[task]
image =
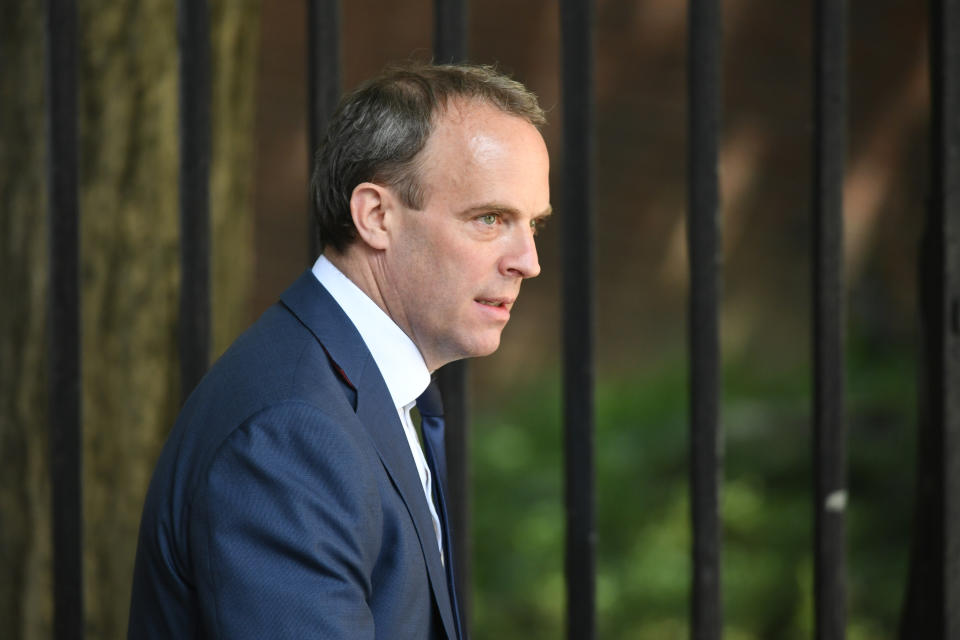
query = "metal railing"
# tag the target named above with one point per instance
(64, 390)
(829, 457)
(578, 309)
(703, 81)
(933, 601)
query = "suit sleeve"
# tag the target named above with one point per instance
(286, 529)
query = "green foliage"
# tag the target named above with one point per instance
(643, 520)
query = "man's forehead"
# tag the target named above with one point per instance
(484, 146)
(458, 109)
(462, 116)
(477, 149)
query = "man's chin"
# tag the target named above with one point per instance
(476, 345)
(485, 347)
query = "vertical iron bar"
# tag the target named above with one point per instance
(63, 311)
(450, 46)
(932, 605)
(323, 87)
(193, 37)
(450, 31)
(704, 255)
(577, 57)
(943, 316)
(829, 434)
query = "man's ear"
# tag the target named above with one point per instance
(369, 206)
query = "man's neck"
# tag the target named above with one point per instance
(355, 265)
(396, 355)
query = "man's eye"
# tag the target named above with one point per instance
(488, 219)
(537, 225)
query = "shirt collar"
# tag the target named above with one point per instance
(397, 357)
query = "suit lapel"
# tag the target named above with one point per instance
(321, 314)
(376, 411)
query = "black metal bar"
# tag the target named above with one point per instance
(829, 433)
(63, 311)
(450, 31)
(450, 46)
(577, 57)
(943, 299)
(323, 83)
(945, 94)
(932, 604)
(706, 464)
(193, 37)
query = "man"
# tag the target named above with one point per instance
(293, 498)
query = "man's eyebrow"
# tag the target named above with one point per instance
(503, 208)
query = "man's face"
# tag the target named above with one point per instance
(454, 268)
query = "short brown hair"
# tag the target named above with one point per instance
(378, 130)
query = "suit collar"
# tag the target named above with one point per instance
(321, 315)
(397, 357)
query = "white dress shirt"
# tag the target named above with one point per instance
(398, 359)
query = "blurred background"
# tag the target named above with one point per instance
(127, 67)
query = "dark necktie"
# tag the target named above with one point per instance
(430, 407)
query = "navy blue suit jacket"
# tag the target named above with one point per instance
(285, 503)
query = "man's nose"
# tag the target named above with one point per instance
(521, 258)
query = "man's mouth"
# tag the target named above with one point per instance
(496, 303)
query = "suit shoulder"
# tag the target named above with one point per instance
(275, 376)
